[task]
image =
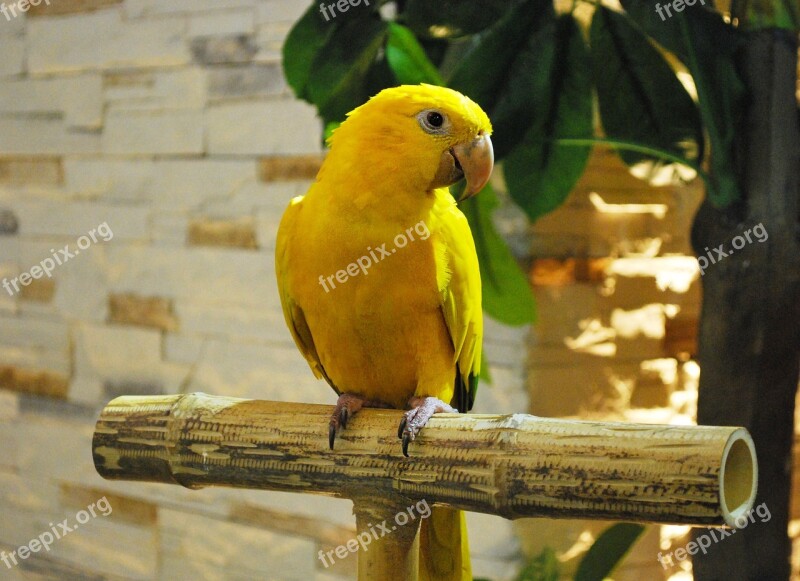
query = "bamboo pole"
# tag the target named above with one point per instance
(513, 465)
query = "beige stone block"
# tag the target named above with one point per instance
(234, 322)
(169, 228)
(561, 310)
(279, 11)
(152, 90)
(166, 184)
(104, 543)
(153, 132)
(54, 448)
(12, 47)
(125, 359)
(19, 525)
(204, 542)
(69, 43)
(34, 170)
(284, 168)
(330, 512)
(77, 219)
(182, 348)
(594, 385)
(143, 8)
(270, 40)
(210, 275)
(274, 373)
(263, 128)
(44, 136)
(560, 246)
(9, 406)
(29, 365)
(222, 50)
(59, 7)
(124, 508)
(131, 309)
(239, 81)
(39, 291)
(25, 332)
(222, 22)
(82, 285)
(240, 233)
(504, 395)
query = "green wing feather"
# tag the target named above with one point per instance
(461, 304)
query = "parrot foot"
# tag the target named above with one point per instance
(422, 410)
(347, 406)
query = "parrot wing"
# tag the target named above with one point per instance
(295, 318)
(461, 304)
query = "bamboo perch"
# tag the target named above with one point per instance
(513, 465)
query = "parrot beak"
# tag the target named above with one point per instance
(473, 160)
(476, 161)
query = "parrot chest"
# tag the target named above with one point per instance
(373, 307)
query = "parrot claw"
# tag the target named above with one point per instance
(422, 410)
(407, 439)
(331, 434)
(402, 427)
(347, 406)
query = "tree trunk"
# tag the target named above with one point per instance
(749, 333)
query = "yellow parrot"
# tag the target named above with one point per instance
(379, 279)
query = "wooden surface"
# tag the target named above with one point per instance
(513, 466)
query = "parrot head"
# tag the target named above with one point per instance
(420, 137)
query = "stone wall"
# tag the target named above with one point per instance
(170, 123)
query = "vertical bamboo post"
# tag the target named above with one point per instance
(389, 557)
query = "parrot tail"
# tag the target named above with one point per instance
(444, 549)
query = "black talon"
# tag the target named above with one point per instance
(344, 415)
(402, 427)
(331, 434)
(406, 440)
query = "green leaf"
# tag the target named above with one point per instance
(640, 97)
(707, 46)
(339, 73)
(760, 14)
(608, 551)
(407, 58)
(304, 41)
(452, 18)
(541, 172)
(543, 567)
(508, 68)
(507, 295)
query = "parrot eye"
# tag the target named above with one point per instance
(433, 121)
